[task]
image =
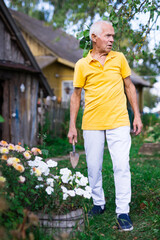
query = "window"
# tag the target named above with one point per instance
(67, 90)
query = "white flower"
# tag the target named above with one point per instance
(51, 163)
(40, 179)
(65, 171)
(42, 166)
(65, 195)
(65, 178)
(39, 186)
(83, 181)
(49, 190)
(64, 189)
(79, 175)
(22, 179)
(86, 194)
(38, 158)
(31, 163)
(79, 191)
(88, 189)
(50, 181)
(71, 178)
(71, 193)
(56, 177)
(46, 172)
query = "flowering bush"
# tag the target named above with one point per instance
(153, 134)
(38, 185)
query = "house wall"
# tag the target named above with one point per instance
(56, 73)
(9, 50)
(36, 48)
(19, 109)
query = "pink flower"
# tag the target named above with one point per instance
(36, 151)
(11, 147)
(22, 179)
(19, 148)
(18, 167)
(3, 143)
(4, 150)
(27, 155)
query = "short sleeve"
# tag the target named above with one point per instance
(79, 79)
(125, 69)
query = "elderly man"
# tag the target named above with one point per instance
(104, 74)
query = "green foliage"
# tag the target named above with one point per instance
(1, 119)
(149, 120)
(150, 99)
(153, 134)
(57, 145)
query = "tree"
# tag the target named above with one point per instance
(150, 100)
(29, 7)
(134, 44)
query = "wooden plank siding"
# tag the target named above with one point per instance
(19, 109)
(9, 48)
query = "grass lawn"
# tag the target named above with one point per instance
(145, 204)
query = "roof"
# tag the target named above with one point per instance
(14, 30)
(138, 80)
(44, 61)
(63, 45)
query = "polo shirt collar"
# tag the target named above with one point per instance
(110, 55)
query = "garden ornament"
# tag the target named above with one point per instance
(74, 157)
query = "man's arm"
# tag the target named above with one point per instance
(132, 97)
(74, 108)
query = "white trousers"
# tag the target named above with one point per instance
(119, 142)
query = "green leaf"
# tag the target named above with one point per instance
(110, 8)
(85, 52)
(82, 43)
(79, 35)
(1, 119)
(115, 20)
(86, 33)
(45, 152)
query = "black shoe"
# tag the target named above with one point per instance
(96, 210)
(124, 223)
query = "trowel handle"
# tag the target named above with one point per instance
(73, 144)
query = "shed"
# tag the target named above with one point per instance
(21, 80)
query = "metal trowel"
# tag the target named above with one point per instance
(74, 157)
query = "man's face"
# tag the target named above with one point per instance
(104, 41)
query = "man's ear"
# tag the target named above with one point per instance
(94, 37)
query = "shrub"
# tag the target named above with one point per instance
(149, 120)
(37, 185)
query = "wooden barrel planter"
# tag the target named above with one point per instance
(59, 224)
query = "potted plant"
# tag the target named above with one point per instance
(41, 187)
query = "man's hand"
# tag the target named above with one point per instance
(72, 134)
(137, 125)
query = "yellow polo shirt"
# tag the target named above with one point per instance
(105, 100)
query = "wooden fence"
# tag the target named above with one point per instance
(53, 119)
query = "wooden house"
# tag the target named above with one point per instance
(56, 53)
(21, 80)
